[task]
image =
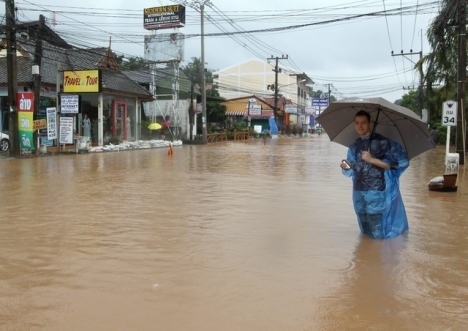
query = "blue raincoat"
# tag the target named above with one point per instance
(273, 126)
(376, 191)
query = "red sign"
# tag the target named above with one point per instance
(25, 101)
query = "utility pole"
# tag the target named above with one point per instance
(191, 112)
(12, 75)
(329, 85)
(204, 117)
(277, 70)
(420, 89)
(461, 83)
(37, 77)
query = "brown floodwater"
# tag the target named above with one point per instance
(228, 236)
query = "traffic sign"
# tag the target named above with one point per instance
(449, 113)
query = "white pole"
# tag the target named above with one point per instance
(100, 120)
(447, 149)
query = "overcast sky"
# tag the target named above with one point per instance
(342, 42)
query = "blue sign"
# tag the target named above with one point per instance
(317, 102)
(312, 121)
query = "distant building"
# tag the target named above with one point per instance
(257, 77)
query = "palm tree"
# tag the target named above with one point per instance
(442, 61)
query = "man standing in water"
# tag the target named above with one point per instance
(375, 164)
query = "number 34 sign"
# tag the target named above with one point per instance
(449, 113)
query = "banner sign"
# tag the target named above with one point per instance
(51, 123)
(310, 110)
(69, 104)
(164, 17)
(290, 110)
(82, 81)
(25, 120)
(320, 102)
(66, 130)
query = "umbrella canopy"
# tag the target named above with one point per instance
(154, 126)
(392, 121)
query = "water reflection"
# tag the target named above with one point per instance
(226, 236)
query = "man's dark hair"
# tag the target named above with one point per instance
(363, 113)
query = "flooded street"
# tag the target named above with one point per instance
(236, 236)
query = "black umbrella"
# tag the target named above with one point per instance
(395, 122)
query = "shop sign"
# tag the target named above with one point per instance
(69, 104)
(290, 110)
(66, 130)
(25, 119)
(82, 81)
(255, 110)
(51, 123)
(39, 124)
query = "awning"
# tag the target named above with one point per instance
(235, 113)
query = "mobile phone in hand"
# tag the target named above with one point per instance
(346, 164)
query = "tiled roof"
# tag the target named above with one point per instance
(117, 81)
(83, 59)
(24, 69)
(75, 59)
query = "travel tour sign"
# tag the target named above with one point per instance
(164, 17)
(82, 81)
(25, 102)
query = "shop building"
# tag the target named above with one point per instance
(113, 105)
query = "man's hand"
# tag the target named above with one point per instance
(367, 157)
(344, 165)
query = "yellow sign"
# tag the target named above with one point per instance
(84, 81)
(39, 124)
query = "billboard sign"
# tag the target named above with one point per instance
(82, 81)
(164, 17)
(164, 47)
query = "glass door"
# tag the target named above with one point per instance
(119, 122)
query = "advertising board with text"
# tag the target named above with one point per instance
(69, 103)
(82, 81)
(25, 120)
(164, 17)
(66, 130)
(51, 123)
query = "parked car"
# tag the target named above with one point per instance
(4, 142)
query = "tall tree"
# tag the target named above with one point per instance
(442, 62)
(193, 71)
(133, 63)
